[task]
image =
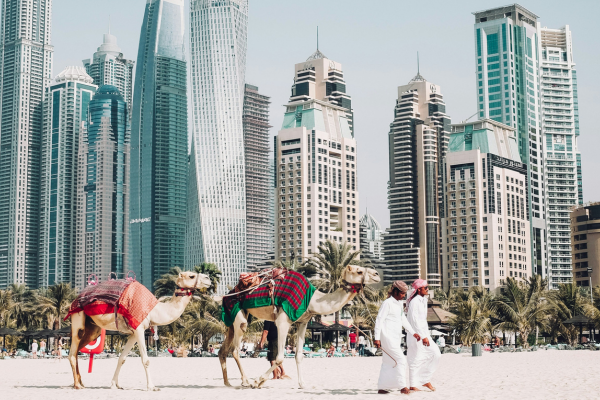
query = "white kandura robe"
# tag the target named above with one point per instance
(422, 360)
(388, 329)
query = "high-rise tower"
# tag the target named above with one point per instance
(25, 72)
(216, 230)
(258, 174)
(108, 67)
(560, 133)
(65, 107)
(159, 145)
(506, 60)
(316, 178)
(102, 189)
(418, 142)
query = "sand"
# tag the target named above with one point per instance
(548, 374)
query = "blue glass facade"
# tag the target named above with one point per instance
(159, 156)
(104, 185)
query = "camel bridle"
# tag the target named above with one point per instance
(188, 291)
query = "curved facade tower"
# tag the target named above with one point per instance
(159, 144)
(216, 230)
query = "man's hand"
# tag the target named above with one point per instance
(377, 343)
(416, 336)
(425, 342)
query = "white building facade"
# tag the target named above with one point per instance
(373, 236)
(486, 233)
(315, 164)
(559, 116)
(216, 230)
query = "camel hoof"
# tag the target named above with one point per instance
(246, 384)
(78, 387)
(115, 386)
(154, 389)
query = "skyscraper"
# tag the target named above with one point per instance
(507, 62)
(560, 133)
(159, 145)
(485, 234)
(25, 71)
(315, 164)
(102, 188)
(65, 108)
(216, 229)
(418, 141)
(108, 67)
(372, 236)
(258, 173)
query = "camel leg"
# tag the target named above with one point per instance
(283, 327)
(299, 352)
(114, 384)
(240, 326)
(139, 334)
(77, 331)
(223, 353)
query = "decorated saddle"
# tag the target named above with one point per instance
(280, 287)
(129, 298)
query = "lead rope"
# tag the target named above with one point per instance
(362, 295)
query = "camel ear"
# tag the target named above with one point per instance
(181, 274)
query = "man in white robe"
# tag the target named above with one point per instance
(388, 336)
(423, 358)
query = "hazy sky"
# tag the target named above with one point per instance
(376, 42)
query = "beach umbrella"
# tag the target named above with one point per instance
(337, 328)
(579, 320)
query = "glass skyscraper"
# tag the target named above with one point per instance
(25, 71)
(418, 143)
(159, 144)
(108, 67)
(216, 229)
(102, 189)
(65, 108)
(507, 64)
(258, 173)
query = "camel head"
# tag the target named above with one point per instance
(356, 275)
(192, 280)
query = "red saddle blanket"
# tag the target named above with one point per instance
(133, 300)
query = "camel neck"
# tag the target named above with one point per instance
(329, 303)
(168, 312)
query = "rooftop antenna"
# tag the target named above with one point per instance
(109, 24)
(418, 68)
(317, 38)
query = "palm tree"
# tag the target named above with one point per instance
(472, 319)
(448, 298)
(329, 265)
(569, 301)
(213, 273)
(523, 307)
(6, 305)
(53, 303)
(166, 284)
(203, 317)
(21, 298)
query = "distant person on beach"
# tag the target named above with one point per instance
(361, 345)
(353, 338)
(330, 351)
(43, 348)
(34, 349)
(388, 337)
(423, 358)
(270, 335)
(59, 348)
(496, 341)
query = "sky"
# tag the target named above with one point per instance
(377, 43)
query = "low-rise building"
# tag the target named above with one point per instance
(585, 244)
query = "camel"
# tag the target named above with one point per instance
(85, 328)
(320, 304)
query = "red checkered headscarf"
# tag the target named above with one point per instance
(416, 285)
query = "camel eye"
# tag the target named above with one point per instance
(192, 276)
(360, 272)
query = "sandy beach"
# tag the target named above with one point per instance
(549, 374)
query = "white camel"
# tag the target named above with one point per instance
(320, 304)
(85, 328)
